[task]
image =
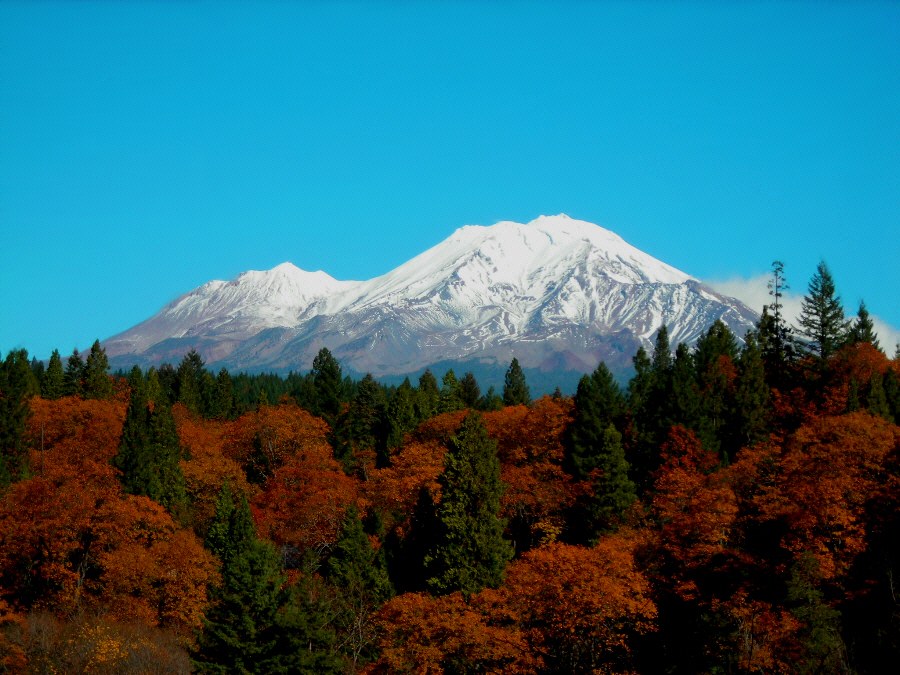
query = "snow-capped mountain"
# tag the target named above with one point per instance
(559, 294)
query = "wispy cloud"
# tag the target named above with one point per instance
(754, 292)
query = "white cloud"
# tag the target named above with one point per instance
(754, 292)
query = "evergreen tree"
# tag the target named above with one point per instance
(685, 390)
(328, 382)
(74, 375)
(598, 404)
(822, 315)
(863, 330)
(515, 388)
(613, 492)
(470, 552)
(359, 575)
(429, 396)
(149, 450)
(254, 623)
(224, 396)
(775, 337)
(96, 379)
(53, 383)
(189, 377)
(469, 391)
(450, 398)
(751, 399)
(491, 401)
(16, 387)
(401, 418)
(714, 358)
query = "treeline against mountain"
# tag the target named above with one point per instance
(733, 509)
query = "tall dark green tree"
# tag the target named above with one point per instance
(97, 384)
(255, 623)
(359, 575)
(599, 403)
(74, 375)
(450, 394)
(469, 391)
(53, 383)
(149, 450)
(821, 319)
(328, 381)
(470, 552)
(189, 382)
(515, 388)
(428, 399)
(750, 422)
(16, 387)
(776, 338)
(400, 418)
(863, 329)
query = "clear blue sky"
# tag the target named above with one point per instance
(146, 148)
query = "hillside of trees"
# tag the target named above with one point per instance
(733, 509)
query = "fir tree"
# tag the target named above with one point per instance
(359, 575)
(327, 378)
(470, 552)
(224, 396)
(74, 375)
(189, 377)
(469, 391)
(149, 450)
(53, 383)
(401, 418)
(254, 623)
(97, 384)
(598, 404)
(429, 396)
(450, 398)
(751, 399)
(515, 388)
(822, 315)
(16, 387)
(863, 330)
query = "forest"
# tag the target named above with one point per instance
(732, 509)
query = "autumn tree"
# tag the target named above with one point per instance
(470, 552)
(515, 388)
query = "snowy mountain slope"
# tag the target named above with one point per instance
(556, 292)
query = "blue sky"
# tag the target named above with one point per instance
(146, 148)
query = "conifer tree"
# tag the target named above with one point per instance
(775, 337)
(470, 552)
(16, 387)
(359, 575)
(254, 623)
(685, 390)
(189, 381)
(429, 396)
(751, 398)
(450, 398)
(53, 382)
(469, 391)
(598, 404)
(74, 375)
(97, 384)
(149, 450)
(863, 330)
(328, 382)
(400, 418)
(822, 319)
(515, 388)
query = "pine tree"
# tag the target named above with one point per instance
(822, 319)
(327, 378)
(863, 330)
(450, 398)
(775, 337)
(470, 553)
(429, 396)
(515, 388)
(189, 377)
(359, 575)
(97, 384)
(400, 418)
(598, 404)
(149, 450)
(16, 387)
(469, 391)
(74, 375)
(751, 399)
(53, 383)
(255, 624)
